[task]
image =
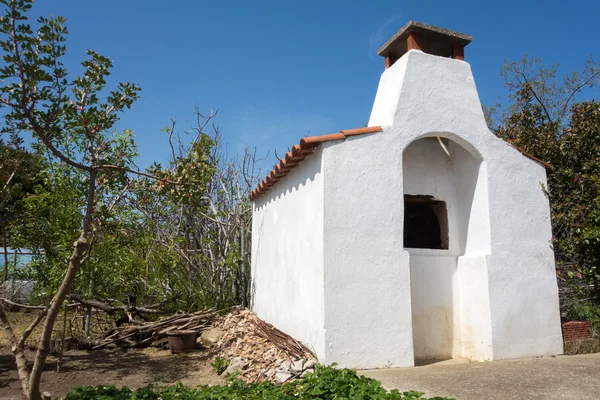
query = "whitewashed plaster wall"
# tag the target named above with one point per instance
(367, 279)
(522, 278)
(367, 276)
(434, 308)
(472, 330)
(287, 254)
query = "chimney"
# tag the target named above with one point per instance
(427, 38)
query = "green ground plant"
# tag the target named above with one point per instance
(325, 383)
(219, 365)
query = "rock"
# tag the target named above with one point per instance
(270, 354)
(296, 366)
(282, 376)
(211, 336)
(285, 366)
(310, 364)
(235, 365)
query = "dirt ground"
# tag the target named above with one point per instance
(563, 377)
(549, 378)
(131, 368)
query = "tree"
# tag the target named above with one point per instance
(18, 174)
(204, 228)
(558, 122)
(70, 124)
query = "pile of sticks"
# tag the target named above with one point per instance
(282, 340)
(145, 334)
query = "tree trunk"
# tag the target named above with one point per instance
(79, 248)
(5, 245)
(42, 352)
(18, 351)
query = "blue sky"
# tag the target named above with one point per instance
(278, 70)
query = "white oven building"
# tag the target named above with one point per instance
(421, 236)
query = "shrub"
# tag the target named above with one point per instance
(582, 346)
(586, 311)
(325, 383)
(220, 364)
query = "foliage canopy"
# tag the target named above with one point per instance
(559, 122)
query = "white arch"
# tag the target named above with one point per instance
(468, 146)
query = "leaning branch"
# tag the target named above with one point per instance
(133, 171)
(577, 89)
(57, 152)
(32, 326)
(23, 306)
(28, 307)
(541, 103)
(111, 309)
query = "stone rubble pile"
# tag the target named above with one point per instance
(256, 350)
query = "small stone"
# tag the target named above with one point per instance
(309, 364)
(282, 376)
(235, 365)
(210, 337)
(285, 366)
(296, 366)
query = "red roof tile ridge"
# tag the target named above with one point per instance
(546, 165)
(299, 153)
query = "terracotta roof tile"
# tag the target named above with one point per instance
(299, 153)
(546, 165)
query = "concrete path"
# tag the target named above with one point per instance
(562, 377)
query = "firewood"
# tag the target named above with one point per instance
(142, 334)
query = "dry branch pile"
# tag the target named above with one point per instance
(258, 351)
(155, 333)
(255, 349)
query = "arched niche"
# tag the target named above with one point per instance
(446, 218)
